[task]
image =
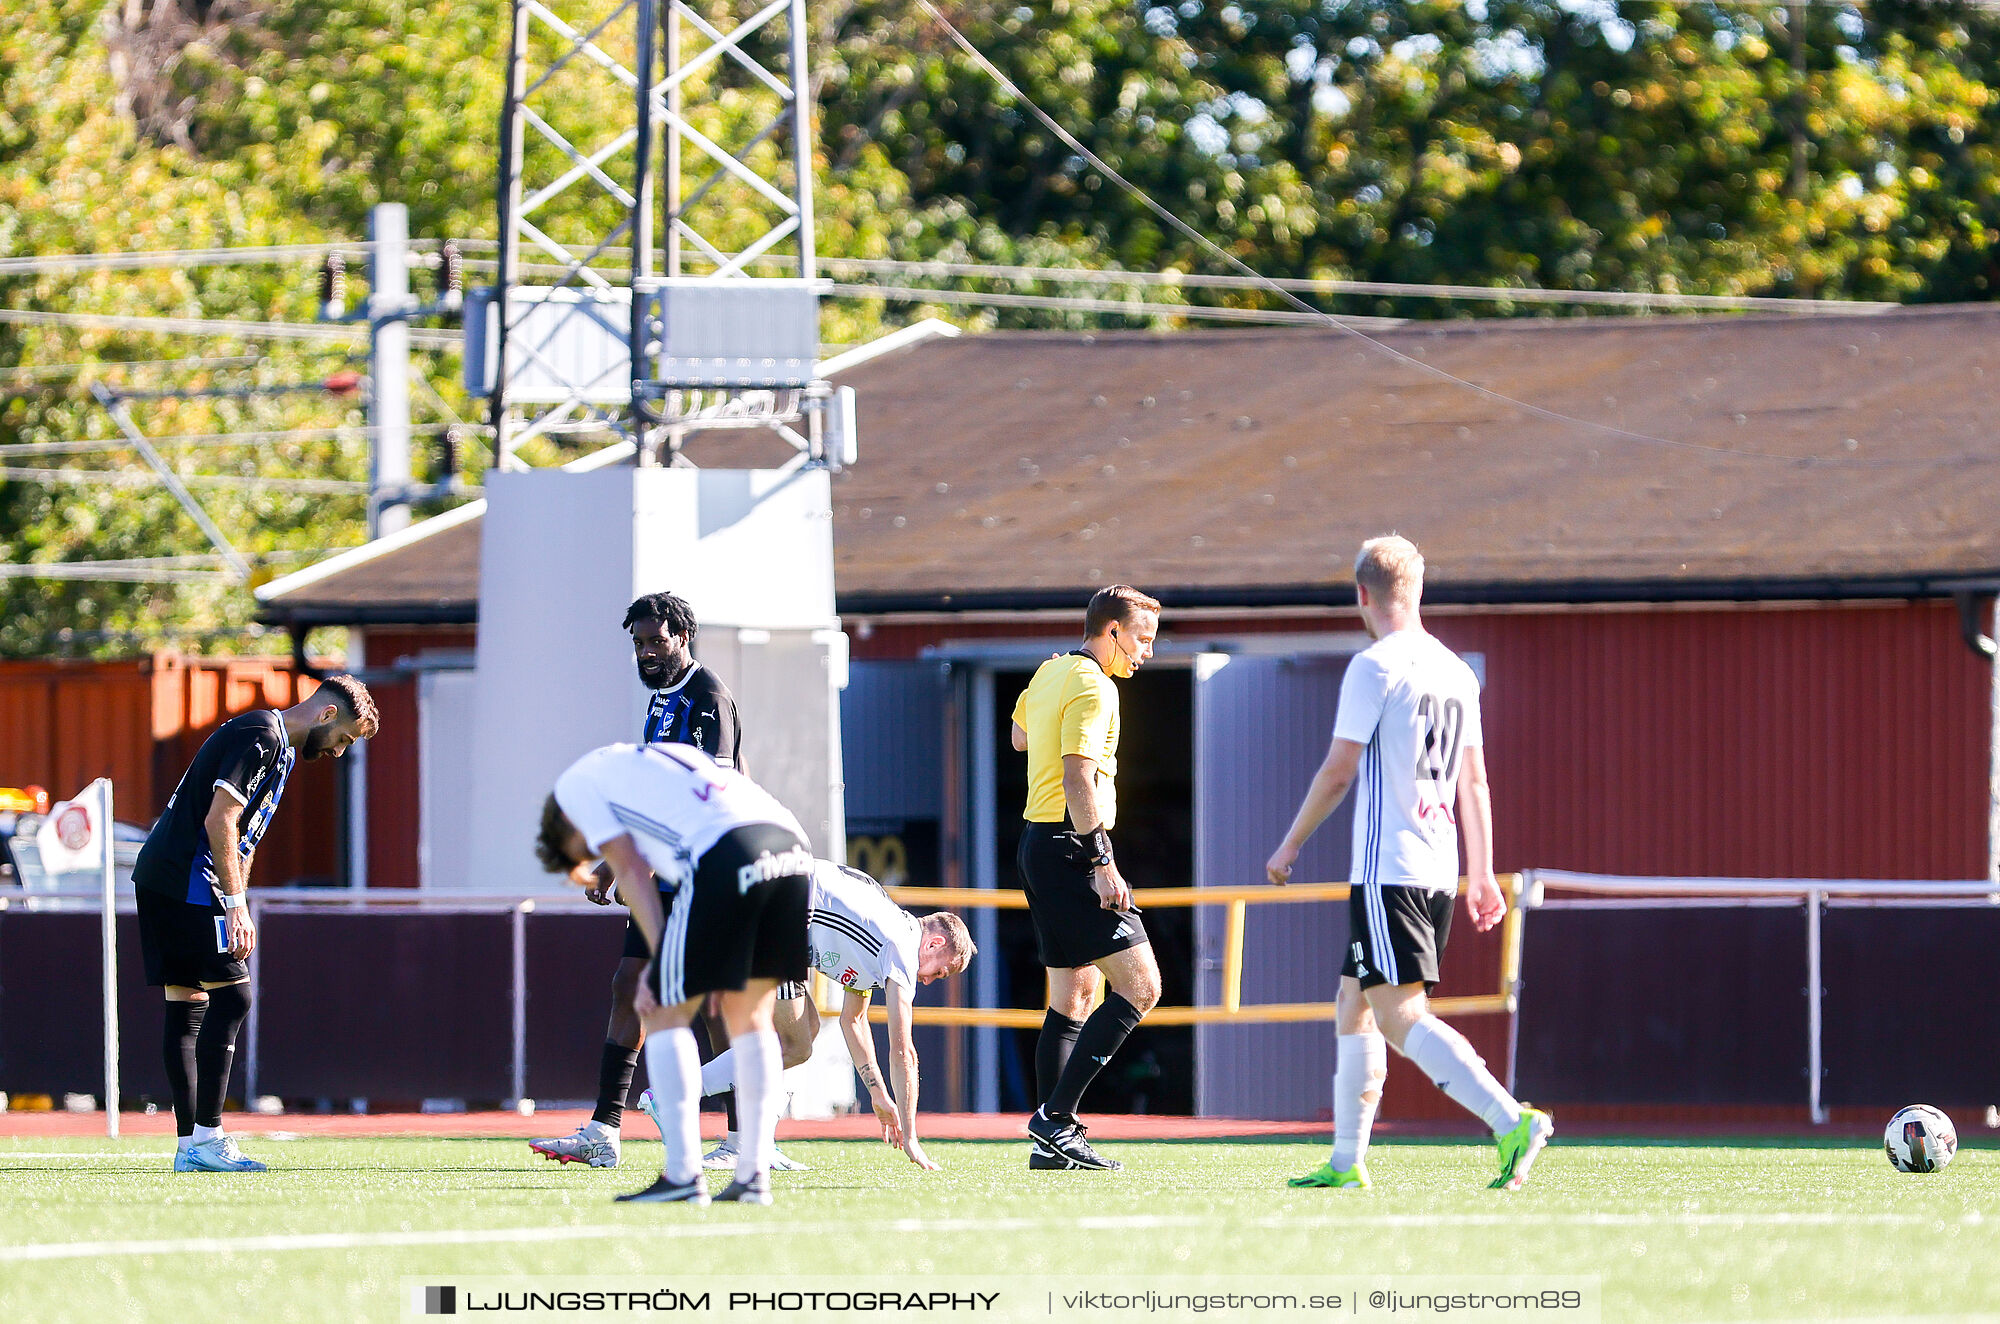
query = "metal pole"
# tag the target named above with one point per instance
(802, 139)
(985, 926)
(357, 778)
(673, 144)
(389, 368)
(110, 963)
(642, 226)
(1814, 1024)
(512, 127)
(1993, 761)
(519, 1082)
(256, 1017)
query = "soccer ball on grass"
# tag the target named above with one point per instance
(1920, 1139)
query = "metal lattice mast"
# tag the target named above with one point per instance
(588, 203)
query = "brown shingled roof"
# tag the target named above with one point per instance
(1819, 456)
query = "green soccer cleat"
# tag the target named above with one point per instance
(1519, 1147)
(1327, 1177)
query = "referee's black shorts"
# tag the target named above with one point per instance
(1072, 928)
(743, 916)
(1395, 934)
(183, 945)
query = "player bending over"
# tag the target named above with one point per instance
(192, 879)
(862, 940)
(690, 706)
(1408, 727)
(728, 916)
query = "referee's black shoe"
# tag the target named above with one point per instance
(1060, 1144)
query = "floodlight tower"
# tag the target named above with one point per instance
(631, 300)
(711, 344)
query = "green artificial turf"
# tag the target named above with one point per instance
(1740, 1231)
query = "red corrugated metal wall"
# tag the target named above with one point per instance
(63, 724)
(1833, 742)
(140, 722)
(1826, 741)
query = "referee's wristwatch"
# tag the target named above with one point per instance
(1100, 848)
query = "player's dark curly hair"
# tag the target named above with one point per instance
(668, 610)
(552, 837)
(354, 700)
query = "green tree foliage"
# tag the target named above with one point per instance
(1591, 144)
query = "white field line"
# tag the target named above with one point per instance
(310, 1241)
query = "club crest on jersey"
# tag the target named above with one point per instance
(786, 864)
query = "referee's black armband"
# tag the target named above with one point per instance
(1100, 847)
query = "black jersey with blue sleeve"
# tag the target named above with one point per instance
(249, 758)
(697, 710)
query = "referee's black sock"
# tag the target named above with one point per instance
(215, 1050)
(1052, 1052)
(183, 1023)
(614, 1083)
(1100, 1037)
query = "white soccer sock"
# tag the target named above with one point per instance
(674, 1066)
(760, 1068)
(1446, 1057)
(204, 1134)
(718, 1074)
(183, 1143)
(1359, 1070)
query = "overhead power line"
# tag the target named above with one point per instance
(269, 436)
(1396, 289)
(1120, 307)
(934, 270)
(149, 569)
(42, 371)
(143, 478)
(332, 333)
(58, 263)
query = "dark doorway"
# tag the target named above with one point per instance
(1154, 1072)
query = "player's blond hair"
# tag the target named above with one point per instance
(956, 936)
(1391, 568)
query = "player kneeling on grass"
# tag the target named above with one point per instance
(862, 940)
(728, 916)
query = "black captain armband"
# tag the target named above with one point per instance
(1100, 847)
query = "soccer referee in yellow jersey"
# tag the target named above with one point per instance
(1085, 922)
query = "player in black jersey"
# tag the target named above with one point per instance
(195, 930)
(690, 706)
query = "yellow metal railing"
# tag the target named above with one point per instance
(1231, 1008)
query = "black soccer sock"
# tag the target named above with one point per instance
(1052, 1050)
(215, 1050)
(714, 1042)
(183, 1023)
(614, 1083)
(1101, 1035)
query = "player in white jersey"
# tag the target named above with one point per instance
(858, 937)
(728, 916)
(1408, 731)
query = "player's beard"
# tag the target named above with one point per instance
(318, 741)
(654, 673)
